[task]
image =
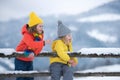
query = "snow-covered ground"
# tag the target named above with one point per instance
(111, 68)
(6, 64)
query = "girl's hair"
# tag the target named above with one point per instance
(31, 29)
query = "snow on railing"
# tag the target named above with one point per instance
(84, 52)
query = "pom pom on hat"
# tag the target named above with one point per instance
(34, 20)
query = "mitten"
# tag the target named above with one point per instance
(27, 52)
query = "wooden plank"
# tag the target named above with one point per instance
(73, 54)
(76, 74)
(101, 74)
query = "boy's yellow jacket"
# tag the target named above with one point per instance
(61, 49)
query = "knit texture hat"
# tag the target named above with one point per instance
(34, 20)
(62, 29)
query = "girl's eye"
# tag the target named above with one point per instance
(40, 26)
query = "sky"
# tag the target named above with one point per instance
(15, 9)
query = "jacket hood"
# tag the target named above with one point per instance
(24, 29)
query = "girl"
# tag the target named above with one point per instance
(61, 65)
(31, 44)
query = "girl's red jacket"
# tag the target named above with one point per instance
(28, 42)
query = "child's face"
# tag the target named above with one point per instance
(68, 38)
(39, 28)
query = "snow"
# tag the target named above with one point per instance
(7, 51)
(102, 37)
(2, 69)
(7, 62)
(20, 72)
(16, 72)
(100, 50)
(101, 17)
(112, 68)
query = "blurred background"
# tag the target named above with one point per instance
(94, 24)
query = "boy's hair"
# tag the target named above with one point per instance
(62, 38)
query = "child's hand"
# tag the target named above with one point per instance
(72, 62)
(47, 41)
(31, 55)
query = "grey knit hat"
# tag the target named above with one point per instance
(62, 29)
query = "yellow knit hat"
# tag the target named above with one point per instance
(34, 20)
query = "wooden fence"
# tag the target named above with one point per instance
(49, 54)
(72, 54)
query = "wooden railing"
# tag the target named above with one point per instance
(40, 73)
(52, 54)
(72, 54)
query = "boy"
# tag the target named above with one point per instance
(61, 65)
